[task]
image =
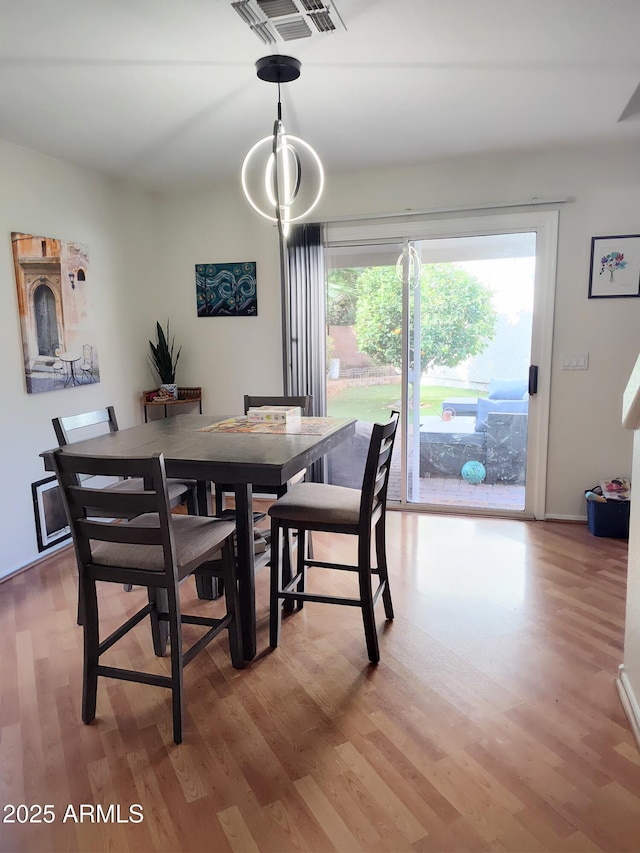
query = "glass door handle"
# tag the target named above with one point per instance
(533, 379)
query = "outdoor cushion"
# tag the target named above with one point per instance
(518, 407)
(508, 389)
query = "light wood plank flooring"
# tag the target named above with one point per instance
(491, 724)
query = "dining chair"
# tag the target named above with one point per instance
(180, 491)
(154, 549)
(250, 401)
(336, 509)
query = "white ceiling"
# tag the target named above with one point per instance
(165, 91)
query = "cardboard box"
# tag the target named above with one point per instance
(609, 519)
(274, 414)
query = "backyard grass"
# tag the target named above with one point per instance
(374, 402)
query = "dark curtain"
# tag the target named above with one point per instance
(305, 320)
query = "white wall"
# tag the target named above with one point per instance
(46, 197)
(227, 356)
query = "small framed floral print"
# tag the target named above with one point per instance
(615, 267)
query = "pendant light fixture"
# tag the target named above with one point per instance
(282, 176)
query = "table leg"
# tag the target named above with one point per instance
(246, 569)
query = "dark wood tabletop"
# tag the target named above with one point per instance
(241, 458)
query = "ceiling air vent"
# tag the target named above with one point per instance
(288, 20)
(294, 28)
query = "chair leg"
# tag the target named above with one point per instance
(159, 628)
(381, 559)
(275, 610)
(287, 566)
(366, 598)
(233, 604)
(175, 638)
(91, 641)
(208, 588)
(303, 547)
(80, 614)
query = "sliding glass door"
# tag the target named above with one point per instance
(470, 314)
(450, 322)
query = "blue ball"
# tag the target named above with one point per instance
(473, 472)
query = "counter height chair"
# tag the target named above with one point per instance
(250, 401)
(180, 491)
(154, 549)
(336, 509)
(304, 402)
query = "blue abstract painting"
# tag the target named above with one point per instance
(226, 290)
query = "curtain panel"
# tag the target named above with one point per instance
(305, 323)
(306, 315)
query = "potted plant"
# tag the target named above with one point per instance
(163, 360)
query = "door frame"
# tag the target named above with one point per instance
(545, 225)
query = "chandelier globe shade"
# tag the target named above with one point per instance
(282, 176)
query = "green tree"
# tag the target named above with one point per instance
(342, 296)
(457, 319)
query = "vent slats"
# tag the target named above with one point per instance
(291, 30)
(278, 8)
(288, 20)
(322, 21)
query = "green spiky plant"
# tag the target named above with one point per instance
(162, 356)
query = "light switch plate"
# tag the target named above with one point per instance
(575, 361)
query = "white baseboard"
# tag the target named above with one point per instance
(550, 516)
(629, 702)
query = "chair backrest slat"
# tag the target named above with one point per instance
(111, 502)
(125, 534)
(63, 426)
(303, 401)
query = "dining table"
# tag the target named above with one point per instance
(230, 450)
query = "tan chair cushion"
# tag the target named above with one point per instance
(197, 539)
(175, 488)
(318, 502)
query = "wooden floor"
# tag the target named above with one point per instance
(491, 723)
